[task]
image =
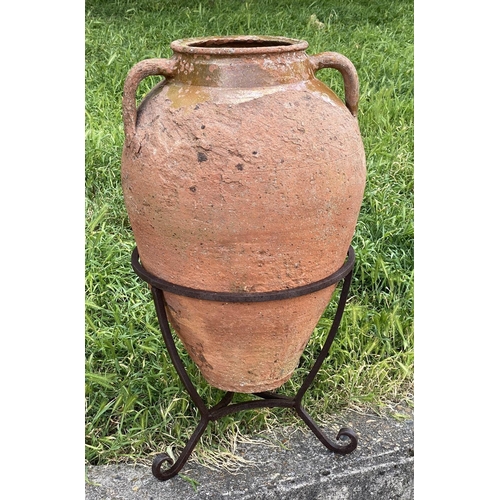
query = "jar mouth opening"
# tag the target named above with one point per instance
(244, 44)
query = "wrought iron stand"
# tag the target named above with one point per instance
(266, 399)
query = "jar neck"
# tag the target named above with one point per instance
(241, 61)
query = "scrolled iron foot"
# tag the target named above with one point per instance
(341, 449)
(339, 446)
(163, 475)
(160, 474)
(351, 445)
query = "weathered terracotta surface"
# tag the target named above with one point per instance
(243, 172)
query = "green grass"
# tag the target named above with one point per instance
(135, 403)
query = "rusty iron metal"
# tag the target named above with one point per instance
(346, 439)
(195, 293)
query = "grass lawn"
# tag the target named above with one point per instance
(136, 405)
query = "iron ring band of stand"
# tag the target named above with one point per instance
(194, 293)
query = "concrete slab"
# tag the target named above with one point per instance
(301, 468)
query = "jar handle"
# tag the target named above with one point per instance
(143, 69)
(349, 74)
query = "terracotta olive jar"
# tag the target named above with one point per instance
(242, 172)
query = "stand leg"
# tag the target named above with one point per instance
(353, 440)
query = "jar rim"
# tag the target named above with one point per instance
(238, 45)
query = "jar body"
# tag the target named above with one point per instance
(246, 183)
